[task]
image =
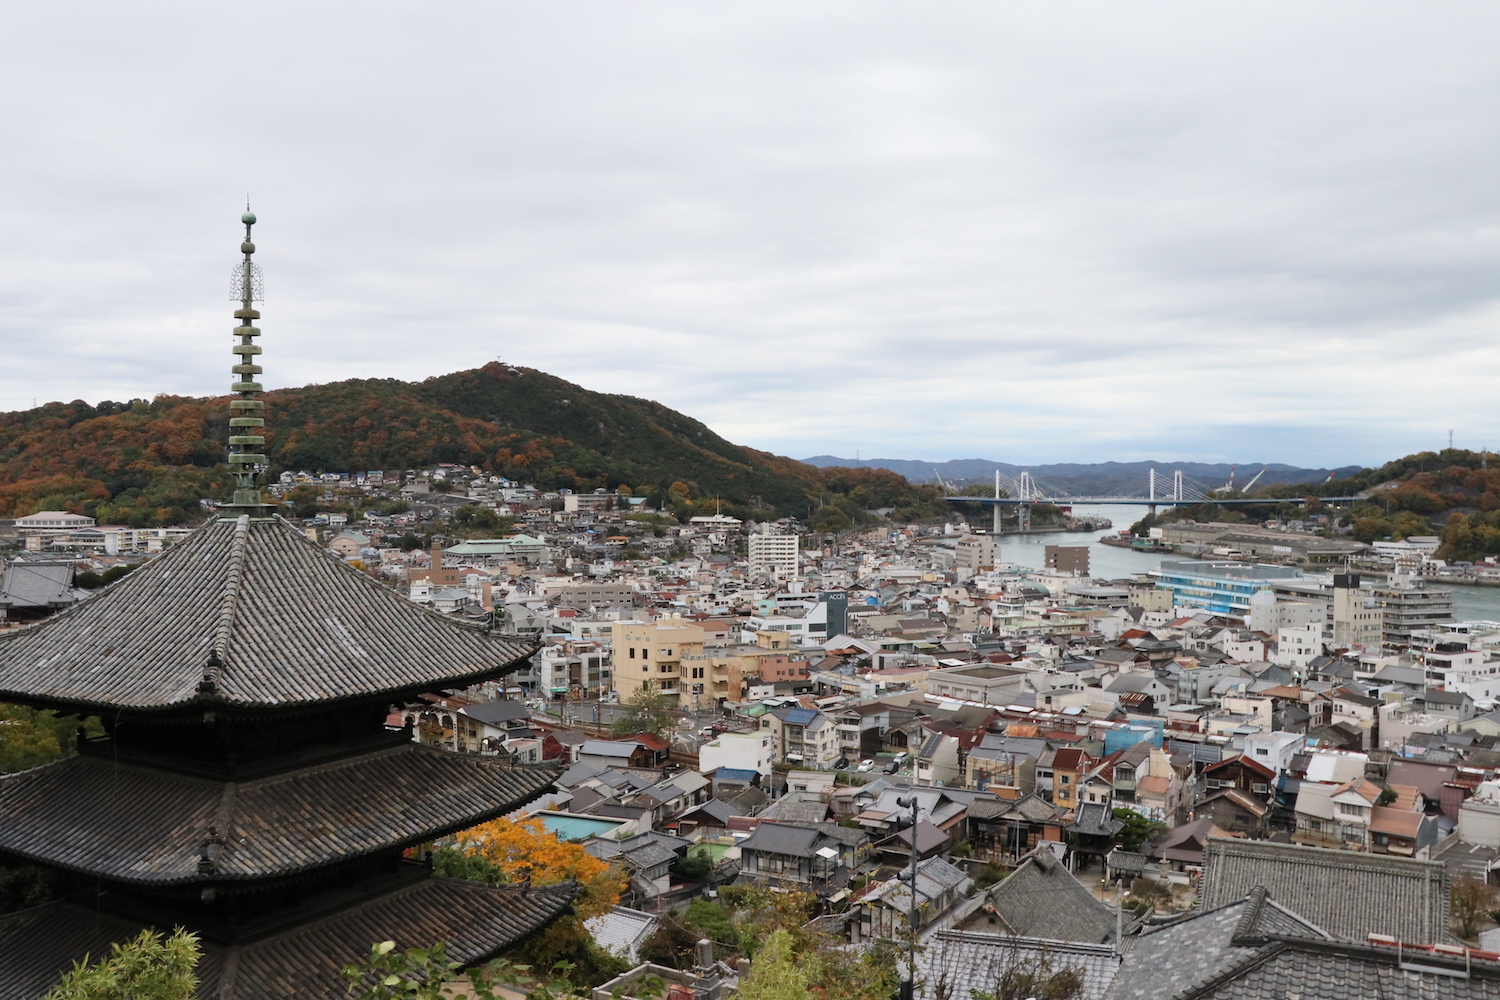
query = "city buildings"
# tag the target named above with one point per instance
(1357, 618)
(975, 554)
(649, 656)
(773, 556)
(1407, 606)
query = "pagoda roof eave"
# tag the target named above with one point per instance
(476, 921)
(149, 829)
(245, 615)
(202, 703)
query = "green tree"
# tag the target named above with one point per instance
(1137, 829)
(696, 866)
(829, 518)
(709, 920)
(149, 967)
(647, 711)
(778, 973)
(429, 974)
(31, 737)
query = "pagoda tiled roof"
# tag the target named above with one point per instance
(476, 921)
(150, 827)
(245, 614)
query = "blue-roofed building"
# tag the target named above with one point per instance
(803, 736)
(1221, 587)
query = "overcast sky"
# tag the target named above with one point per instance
(1027, 232)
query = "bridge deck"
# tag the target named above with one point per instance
(1139, 501)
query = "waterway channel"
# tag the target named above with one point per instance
(1110, 563)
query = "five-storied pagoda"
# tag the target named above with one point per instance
(248, 788)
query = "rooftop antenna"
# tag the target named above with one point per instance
(1450, 439)
(246, 423)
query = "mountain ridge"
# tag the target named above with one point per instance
(147, 463)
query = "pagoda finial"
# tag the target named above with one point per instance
(247, 421)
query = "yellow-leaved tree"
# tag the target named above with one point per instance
(503, 852)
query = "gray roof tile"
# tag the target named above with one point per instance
(157, 823)
(955, 962)
(1349, 894)
(1042, 899)
(475, 920)
(287, 623)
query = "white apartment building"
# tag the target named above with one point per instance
(774, 556)
(1453, 666)
(597, 500)
(1357, 619)
(976, 554)
(1299, 645)
(744, 751)
(51, 522)
(111, 540)
(1269, 613)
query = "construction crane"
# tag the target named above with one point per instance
(1251, 483)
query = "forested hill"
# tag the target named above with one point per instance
(149, 462)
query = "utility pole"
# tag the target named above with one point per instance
(909, 986)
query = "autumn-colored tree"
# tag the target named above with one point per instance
(503, 852)
(526, 852)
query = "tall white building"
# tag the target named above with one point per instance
(774, 556)
(1357, 618)
(976, 554)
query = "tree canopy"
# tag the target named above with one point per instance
(503, 852)
(150, 967)
(646, 711)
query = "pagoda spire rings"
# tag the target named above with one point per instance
(247, 421)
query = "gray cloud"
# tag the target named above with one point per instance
(1069, 232)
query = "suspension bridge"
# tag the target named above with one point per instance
(1151, 490)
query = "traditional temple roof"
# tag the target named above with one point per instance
(244, 614)
(476, 921)
(151, 828)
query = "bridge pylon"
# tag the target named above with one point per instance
(996, 527)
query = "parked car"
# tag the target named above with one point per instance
(841, 764)
(866, 765)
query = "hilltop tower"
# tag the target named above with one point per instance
(248, 787)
